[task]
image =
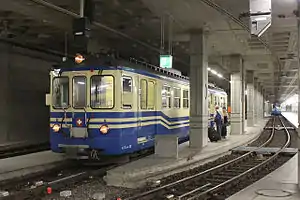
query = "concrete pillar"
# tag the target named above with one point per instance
(255, 100)
(258, 103)
(198, 90)
(261, 105)
(4, 89)
(243, 97)
(298, 20)
(236, 94)
(263, 102)
(250, 98)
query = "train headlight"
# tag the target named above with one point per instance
(56, 128)
(104, 129)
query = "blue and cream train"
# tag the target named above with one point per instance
(118, 110)
(276, 111)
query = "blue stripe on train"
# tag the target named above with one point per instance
(130, 122)
(121, 115)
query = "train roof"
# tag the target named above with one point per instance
(143, 68)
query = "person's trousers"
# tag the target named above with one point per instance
(219, 130)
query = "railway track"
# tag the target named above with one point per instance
(69, 173)
(216, 182)
(208, 183)
(22, 150)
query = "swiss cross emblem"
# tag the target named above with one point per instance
(79, 122)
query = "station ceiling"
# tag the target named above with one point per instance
(133, 28)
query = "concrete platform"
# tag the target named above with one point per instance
(137, 173)
(9, 144)
(292, 117)
(30, 163)
(265, 150)
(17, 144)
(282, 182)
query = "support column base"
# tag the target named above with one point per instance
(166, 146)
(198, 137)
(236, 124)
(198, 131)
(250, 122)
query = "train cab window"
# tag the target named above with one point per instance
(177, 98)
(166, 96)
(143, 94)
(151, 95)
(185, 99)
(79, 92)
(127, 92)
(102, 92)
(60, 92)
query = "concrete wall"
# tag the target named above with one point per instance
(26, 118)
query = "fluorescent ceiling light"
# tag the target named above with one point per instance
(214, 72)
(81, 83)
(260, 19)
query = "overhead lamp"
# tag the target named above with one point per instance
(208, 68)
(220, 75)
(260, 19)
(214, 72)
(79, 58)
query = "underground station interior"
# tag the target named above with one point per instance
(160, 99)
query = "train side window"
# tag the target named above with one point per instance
(185, 99)
(102, 91)
(127, 92)
(143, 94)
(151, 95)
(166, 96)
(177, 97)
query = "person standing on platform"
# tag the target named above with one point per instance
(218, 120)
(225, 123)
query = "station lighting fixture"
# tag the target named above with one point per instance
(215, 72)
(79, 58)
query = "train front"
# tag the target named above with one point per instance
(276, 111)
(80, 100)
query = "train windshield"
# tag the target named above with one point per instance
(102, 92)
(79, 92)
(60, 92)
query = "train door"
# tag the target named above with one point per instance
(79, 98)
(146, 110)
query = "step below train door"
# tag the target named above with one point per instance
(146, 111)
(79, 102)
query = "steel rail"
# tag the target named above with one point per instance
(251, 169)
(206, 171)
